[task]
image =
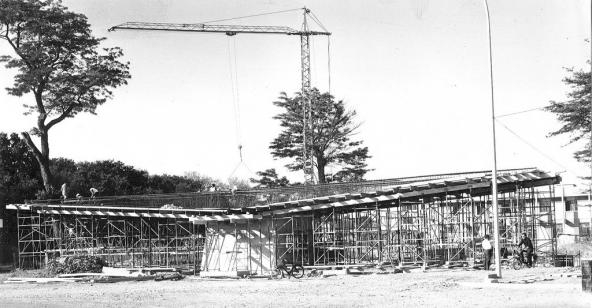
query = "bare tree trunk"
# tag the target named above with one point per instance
(321, 163)
(42, 157)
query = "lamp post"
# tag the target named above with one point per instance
(496, 240)
(590, 184)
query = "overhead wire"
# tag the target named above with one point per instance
(528, 143)
(519, 112)
(535, 148)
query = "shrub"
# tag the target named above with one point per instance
(75, 264)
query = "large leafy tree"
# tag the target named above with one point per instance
(112, 178)
(58, 60)
(330, 137)
(574, 113)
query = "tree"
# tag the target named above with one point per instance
(173, 184)
(57, 60)
(270, 179)
(574, 113)
(19, 173)
(330, 137)
(113, 178)
(108, 176)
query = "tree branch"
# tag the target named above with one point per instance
(16, 48)
(40, 106)
(32, 146)
(62, 116)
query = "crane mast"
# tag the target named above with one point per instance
(308, 162)
(308, 158)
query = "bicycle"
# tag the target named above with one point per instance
(296, 271)
(518, 262)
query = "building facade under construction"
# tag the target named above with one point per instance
(422, 220)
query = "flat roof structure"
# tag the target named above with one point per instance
(385, 193)
(425, 219)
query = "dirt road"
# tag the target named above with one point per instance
(434, 288)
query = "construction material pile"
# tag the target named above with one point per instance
(75, 264)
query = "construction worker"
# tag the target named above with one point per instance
(526, 249)
(64, 192)
(487, 252)
(93, 191)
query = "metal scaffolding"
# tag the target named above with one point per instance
(443, 229)
(124, 242)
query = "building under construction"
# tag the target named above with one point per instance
(433, 219)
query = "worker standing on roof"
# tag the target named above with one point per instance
(93, 191)
(64, 192)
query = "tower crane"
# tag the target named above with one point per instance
(305, 33)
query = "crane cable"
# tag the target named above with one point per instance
(317, 21)
(320, 24)
(329, 63)
(249, 16)
(233, 69)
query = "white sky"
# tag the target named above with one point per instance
(415, 71)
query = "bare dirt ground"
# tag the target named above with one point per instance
(434, 288)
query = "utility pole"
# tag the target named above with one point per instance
(496, 239)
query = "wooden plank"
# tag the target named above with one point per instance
(41, 280)
(80, 275)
